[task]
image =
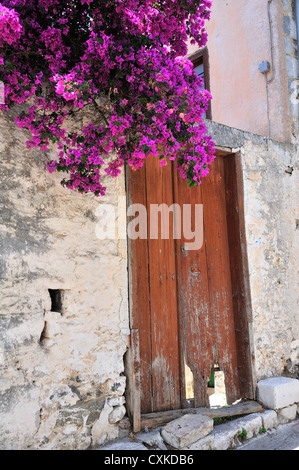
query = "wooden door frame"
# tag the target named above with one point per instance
(202, 57)
(241, 296)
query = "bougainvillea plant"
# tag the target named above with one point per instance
(124, 62)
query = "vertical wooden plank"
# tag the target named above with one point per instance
(206, 64)
(163, 295)
(218, 261)
(239, 272)
(193, 300)
(134, 384)
(139, 292)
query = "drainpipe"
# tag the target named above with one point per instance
(265, 66)
(272, 45)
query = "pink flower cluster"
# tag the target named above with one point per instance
(10, 27)
(122, 58)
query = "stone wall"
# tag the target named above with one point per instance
(61, 372)
(271, 194)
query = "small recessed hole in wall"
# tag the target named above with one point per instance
(297, 224)
(56, 296)
(56, 300)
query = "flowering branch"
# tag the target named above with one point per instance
(124, 59)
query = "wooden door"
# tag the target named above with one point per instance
(187, 307)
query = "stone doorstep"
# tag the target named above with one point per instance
(280, 397)
(196, 432)
(186, 430)
(231, 434)
(221, 437)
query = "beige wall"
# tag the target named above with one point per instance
(238, 41)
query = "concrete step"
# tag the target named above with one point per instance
(184, 431)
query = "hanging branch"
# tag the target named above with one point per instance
(126, 53)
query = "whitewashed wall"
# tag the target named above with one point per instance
(56, 391)
(271, 194)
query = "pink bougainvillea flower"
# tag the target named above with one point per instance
(121, 60)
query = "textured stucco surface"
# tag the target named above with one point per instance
(271, 193)
(55, 383)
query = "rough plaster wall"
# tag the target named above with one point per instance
(271, 193)
(271, 187)
(63, 388)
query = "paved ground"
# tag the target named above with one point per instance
(285, 437)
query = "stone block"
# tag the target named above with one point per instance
(116, 401)
(225, 435)
(80, 413)
(251, 424)
(117, 414)
(278, 392)
(152, 439)
(102, 430)
(184, 431)
(206, 443)
(287, 414)
(269, 418)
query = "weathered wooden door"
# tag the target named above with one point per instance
(187, 306)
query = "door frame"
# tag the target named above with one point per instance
(241, 298)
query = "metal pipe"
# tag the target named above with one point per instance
(272, 45)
